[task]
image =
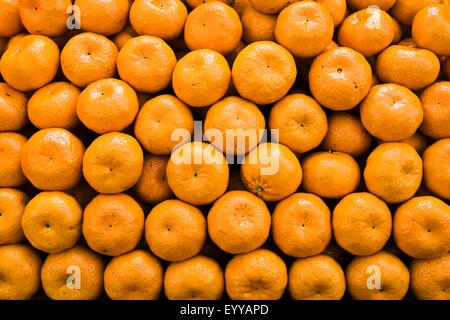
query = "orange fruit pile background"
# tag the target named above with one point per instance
(342, 192)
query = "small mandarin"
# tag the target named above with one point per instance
(213, 25)
(257, 275)
(421, 227)
(58, 99)
(107, 105)
(159, 18)
(158, 121)
(13, 108)
(305, 28)
(113, 224)
(391, 112)
(11, 146)
(413, 68)
(56, 273)
(263, 72)
(12, 206)
(340, 78)
(393, 172)
(301, 225)
(175, 230)
(362, 274)
(52, 221)
(362, 223)
(113, 162)
(430, 278)
(301, 122)
(136, 275)
(330, 174)
(52, 159)
(436, 168)
(271, 171)
(197, 173)
(20, 269)
(146, 63)
(198, 278)
(316, 278)
(239, 222)
(201, 77)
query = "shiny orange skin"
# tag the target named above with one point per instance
(146, 63)
(305, 28)
(45, 17)
(413, 68)
(430, 278)
(55, 275)
(12, 206)
(263, 72)
(30, 63)
(157, 121)
(159, 18)
(391, 112)
(107, 105)
(122, 37)
(88, 57)
(239, 222)
(393, 172)
(195, 3)
(429, 29)
(422, 227)
(201, 78)
(152, 186)
(362, 223)
(362, 4)
(175, 231)
(257, 275)
(20, 270)
(418, 142)
(337, 9)
(405, 10)
(330, 174)
(214, 26)
(136, 275)
(106, 17)
(13, 108)
(232, 115)
(340, 78)
(368, 31)
(436, 168)
(52, 221)
(238, 5)
(394, 277)
(301, 121)
(197, 173)
(271, 171)
(436, 117)
(257, 26)
(11, 23)
(346, 134)
(316, 278)
(52, 159)
(58, 99)
(398, 32)
(11, 146)
(301, 225)
(113, 162)
(271, 7)
(113, 224)
(198, 278)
